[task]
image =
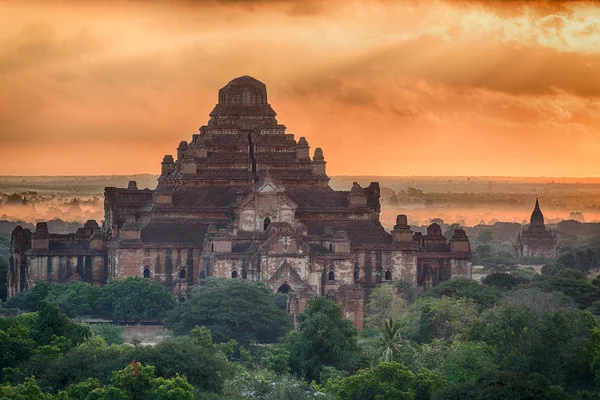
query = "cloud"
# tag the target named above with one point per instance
(371, 82)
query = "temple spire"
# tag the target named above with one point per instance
(537, 218)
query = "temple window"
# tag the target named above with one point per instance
(146, 272)
(331, 276)
(234, 274)
(330, 247)
(212, 247)
(266, 223)
(388, 275)
(182, 274)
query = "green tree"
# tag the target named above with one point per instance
(205, 369)
(384, 303)
(583, 292)
(92, 359)
(502, 281)
(134, 299)
(16, 345)
(52, 322)
(483, 295)
(325, 338)
(29, 390)
(138, 382)
(468, 361)
(388, 381)
(408, 291)
(232, 309)
(390, 340)
(112, 334)
(76, 299)
(529, 340)
(431, 318)
(505, 386)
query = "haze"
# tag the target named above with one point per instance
(385, 88)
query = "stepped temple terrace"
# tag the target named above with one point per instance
(243, 199)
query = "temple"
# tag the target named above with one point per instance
(536, 240)
(243, 199)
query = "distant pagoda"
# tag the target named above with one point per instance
(536, 240)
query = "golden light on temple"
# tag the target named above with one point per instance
(384, 87)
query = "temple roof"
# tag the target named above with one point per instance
(244, 96)
(537, 218)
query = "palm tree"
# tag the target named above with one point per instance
(389, 341)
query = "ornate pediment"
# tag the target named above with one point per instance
(266, 204)
(283, 239)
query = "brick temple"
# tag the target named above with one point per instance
(243, 199)
(536, 240)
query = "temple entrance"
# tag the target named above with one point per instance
(284, 289)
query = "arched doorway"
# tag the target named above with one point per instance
(283, 297)
(146, 272)
(266, 223)
(285, 288)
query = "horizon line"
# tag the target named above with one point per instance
(331, 176)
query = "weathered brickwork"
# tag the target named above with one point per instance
(244, 200)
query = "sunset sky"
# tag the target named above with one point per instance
(384, 87)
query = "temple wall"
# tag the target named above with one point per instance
(224, 267)
(461, 268)
(404, 266)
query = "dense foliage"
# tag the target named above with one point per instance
(514, 336)
(232, 309)
(128, 299)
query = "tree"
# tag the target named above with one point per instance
(442, 318)
(138, 381)
(390, 340)
(325, 338)
(75, 298)
(529, 340)
(384, 303)
(112, 334)
(483, 295)
(232, 309)
(92, 359)
(134, 299)
(505, 386)
(29, 390)
(408, 291)
(583, 292)
(502, 281)
(52, 322)
(388, 381)
(467, 361)
(205, 369)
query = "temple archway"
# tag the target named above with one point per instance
(285, 288)
(146, 273)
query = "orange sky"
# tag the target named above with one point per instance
(384, 87)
